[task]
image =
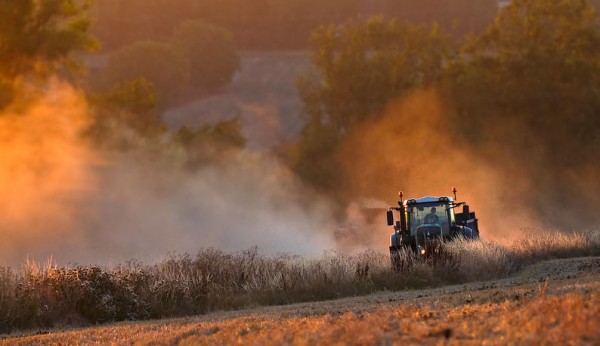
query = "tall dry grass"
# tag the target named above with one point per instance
(40, 296)
(481, 260)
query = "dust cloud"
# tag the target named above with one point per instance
(62, 198)
(411, 148)
(45, 172)
(146, 210)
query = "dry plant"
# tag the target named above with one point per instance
(47, 295)
(481, 260)
(534, 247)
(561, 312)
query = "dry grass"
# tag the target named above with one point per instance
(480, 260)
(558, 312)
(49, 296)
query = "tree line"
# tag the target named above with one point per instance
(274, 24)
(526, 90)
(39, 40)
(535, 67)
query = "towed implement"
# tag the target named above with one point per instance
(426, 222)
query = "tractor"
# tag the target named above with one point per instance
(427, 222)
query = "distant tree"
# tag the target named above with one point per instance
(539, 62)
(137, 96)
(37, 38)
(40, 35)
(529, 89)
(136, 105)
(360, 68)
(127, 107)
(210, 52)
(210, 143)
(155, 62)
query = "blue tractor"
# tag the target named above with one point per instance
(426, 222)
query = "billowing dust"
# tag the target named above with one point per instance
(411, 148)
(60, 197)
(45, 173)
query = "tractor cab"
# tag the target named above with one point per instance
(430, 215)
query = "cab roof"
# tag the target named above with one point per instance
(428, 199)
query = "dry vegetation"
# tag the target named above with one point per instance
(561, 309)
(49, 296)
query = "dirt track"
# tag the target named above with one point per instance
(554, 302)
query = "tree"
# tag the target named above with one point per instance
(210, 53)
(40, 35)
(538, 63)
(360, 68)
(155, 62)
(528, 89)
(210, 143)
(133, 104)
(37, 38)
(125, 115)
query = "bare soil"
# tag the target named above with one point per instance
(553, 302)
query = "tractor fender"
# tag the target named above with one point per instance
(468, 233)
(465, 232)
(395, 239)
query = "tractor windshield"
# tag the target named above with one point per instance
(429, 213)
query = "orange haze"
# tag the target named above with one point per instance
(59, 197)
(410, 148)
(45, 170)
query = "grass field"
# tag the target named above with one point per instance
(552, 302)
(48, 296)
